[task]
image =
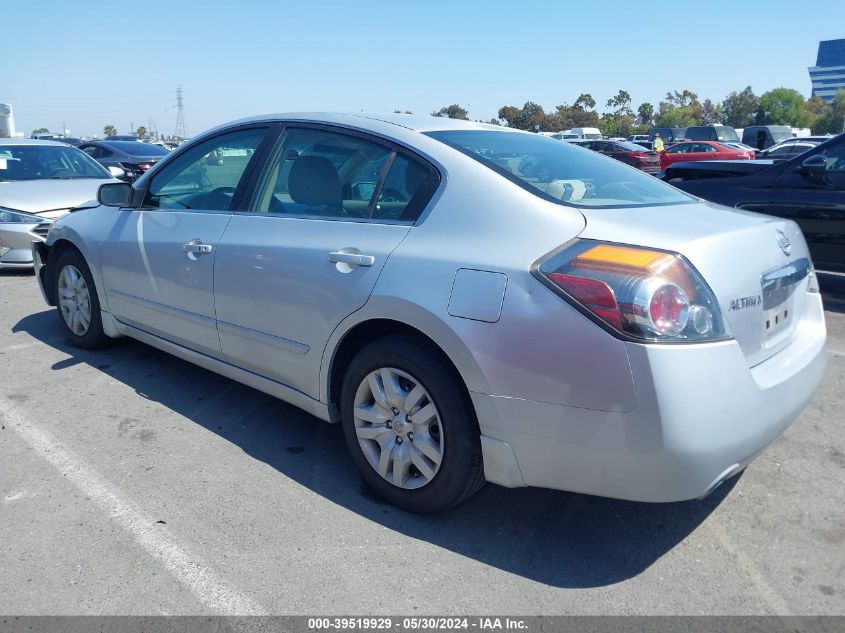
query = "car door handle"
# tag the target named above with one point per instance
(351, 258)
(196, 247)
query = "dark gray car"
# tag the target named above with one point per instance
(132, 157)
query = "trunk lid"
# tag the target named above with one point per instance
(759, 281)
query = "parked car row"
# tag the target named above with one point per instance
(133, 157)
(808, 188)
(628, 153)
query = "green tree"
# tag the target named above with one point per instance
(579, 114)
(739, 108)
(109, 130)
(621, 104)
(679, 109)
(781, 106)
(645, 113)
(527, 117)
(531, 116)
(833, 119)
(620, 120)
(453, 111)
(814, 107)
(509, 114)
(41, 130)
(141, 132)
(585, 101)
(710, 113)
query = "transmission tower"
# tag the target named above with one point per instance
(181, 130)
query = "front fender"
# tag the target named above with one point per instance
(65, 233)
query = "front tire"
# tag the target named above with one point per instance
(76, 301)
(410, 427)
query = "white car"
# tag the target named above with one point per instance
(39, 182)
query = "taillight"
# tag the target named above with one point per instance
(637, 154)
(642, 293)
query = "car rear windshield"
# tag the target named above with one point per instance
(561, 172)
(47, 162)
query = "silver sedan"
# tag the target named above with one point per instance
(470, 302)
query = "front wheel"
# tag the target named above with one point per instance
(76, 301)
(409, 427)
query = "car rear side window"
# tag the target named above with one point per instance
(330, 175)
(558, 172)
(205, 176)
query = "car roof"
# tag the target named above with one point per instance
(417, 123)
(31, 141)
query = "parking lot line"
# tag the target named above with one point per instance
(187, 568)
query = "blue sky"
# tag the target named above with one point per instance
(89, 63)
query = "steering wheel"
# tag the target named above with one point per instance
(391, 195)
(219, 198)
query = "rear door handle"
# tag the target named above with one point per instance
(349, 256)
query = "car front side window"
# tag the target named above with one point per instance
(207, 175)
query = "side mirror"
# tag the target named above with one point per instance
(117, 172)
(814, 166)
(114, 194)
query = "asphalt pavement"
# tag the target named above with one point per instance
(132, 482)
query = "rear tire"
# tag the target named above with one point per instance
(76, 301)
(410, 427)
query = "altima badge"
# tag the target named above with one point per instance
(784, 243)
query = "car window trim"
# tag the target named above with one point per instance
(382, 177)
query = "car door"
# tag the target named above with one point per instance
(816, 203)
(675, 154)
(327, 212)
(158, 263)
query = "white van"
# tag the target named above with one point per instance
(591, 133)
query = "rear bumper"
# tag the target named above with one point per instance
(701, 415)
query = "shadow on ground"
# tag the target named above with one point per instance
(561, 539)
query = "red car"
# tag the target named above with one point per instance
(703, 150)
(629, 153)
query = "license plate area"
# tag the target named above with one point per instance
(781, 303)
(778, 309)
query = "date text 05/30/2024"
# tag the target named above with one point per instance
(416, 623)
